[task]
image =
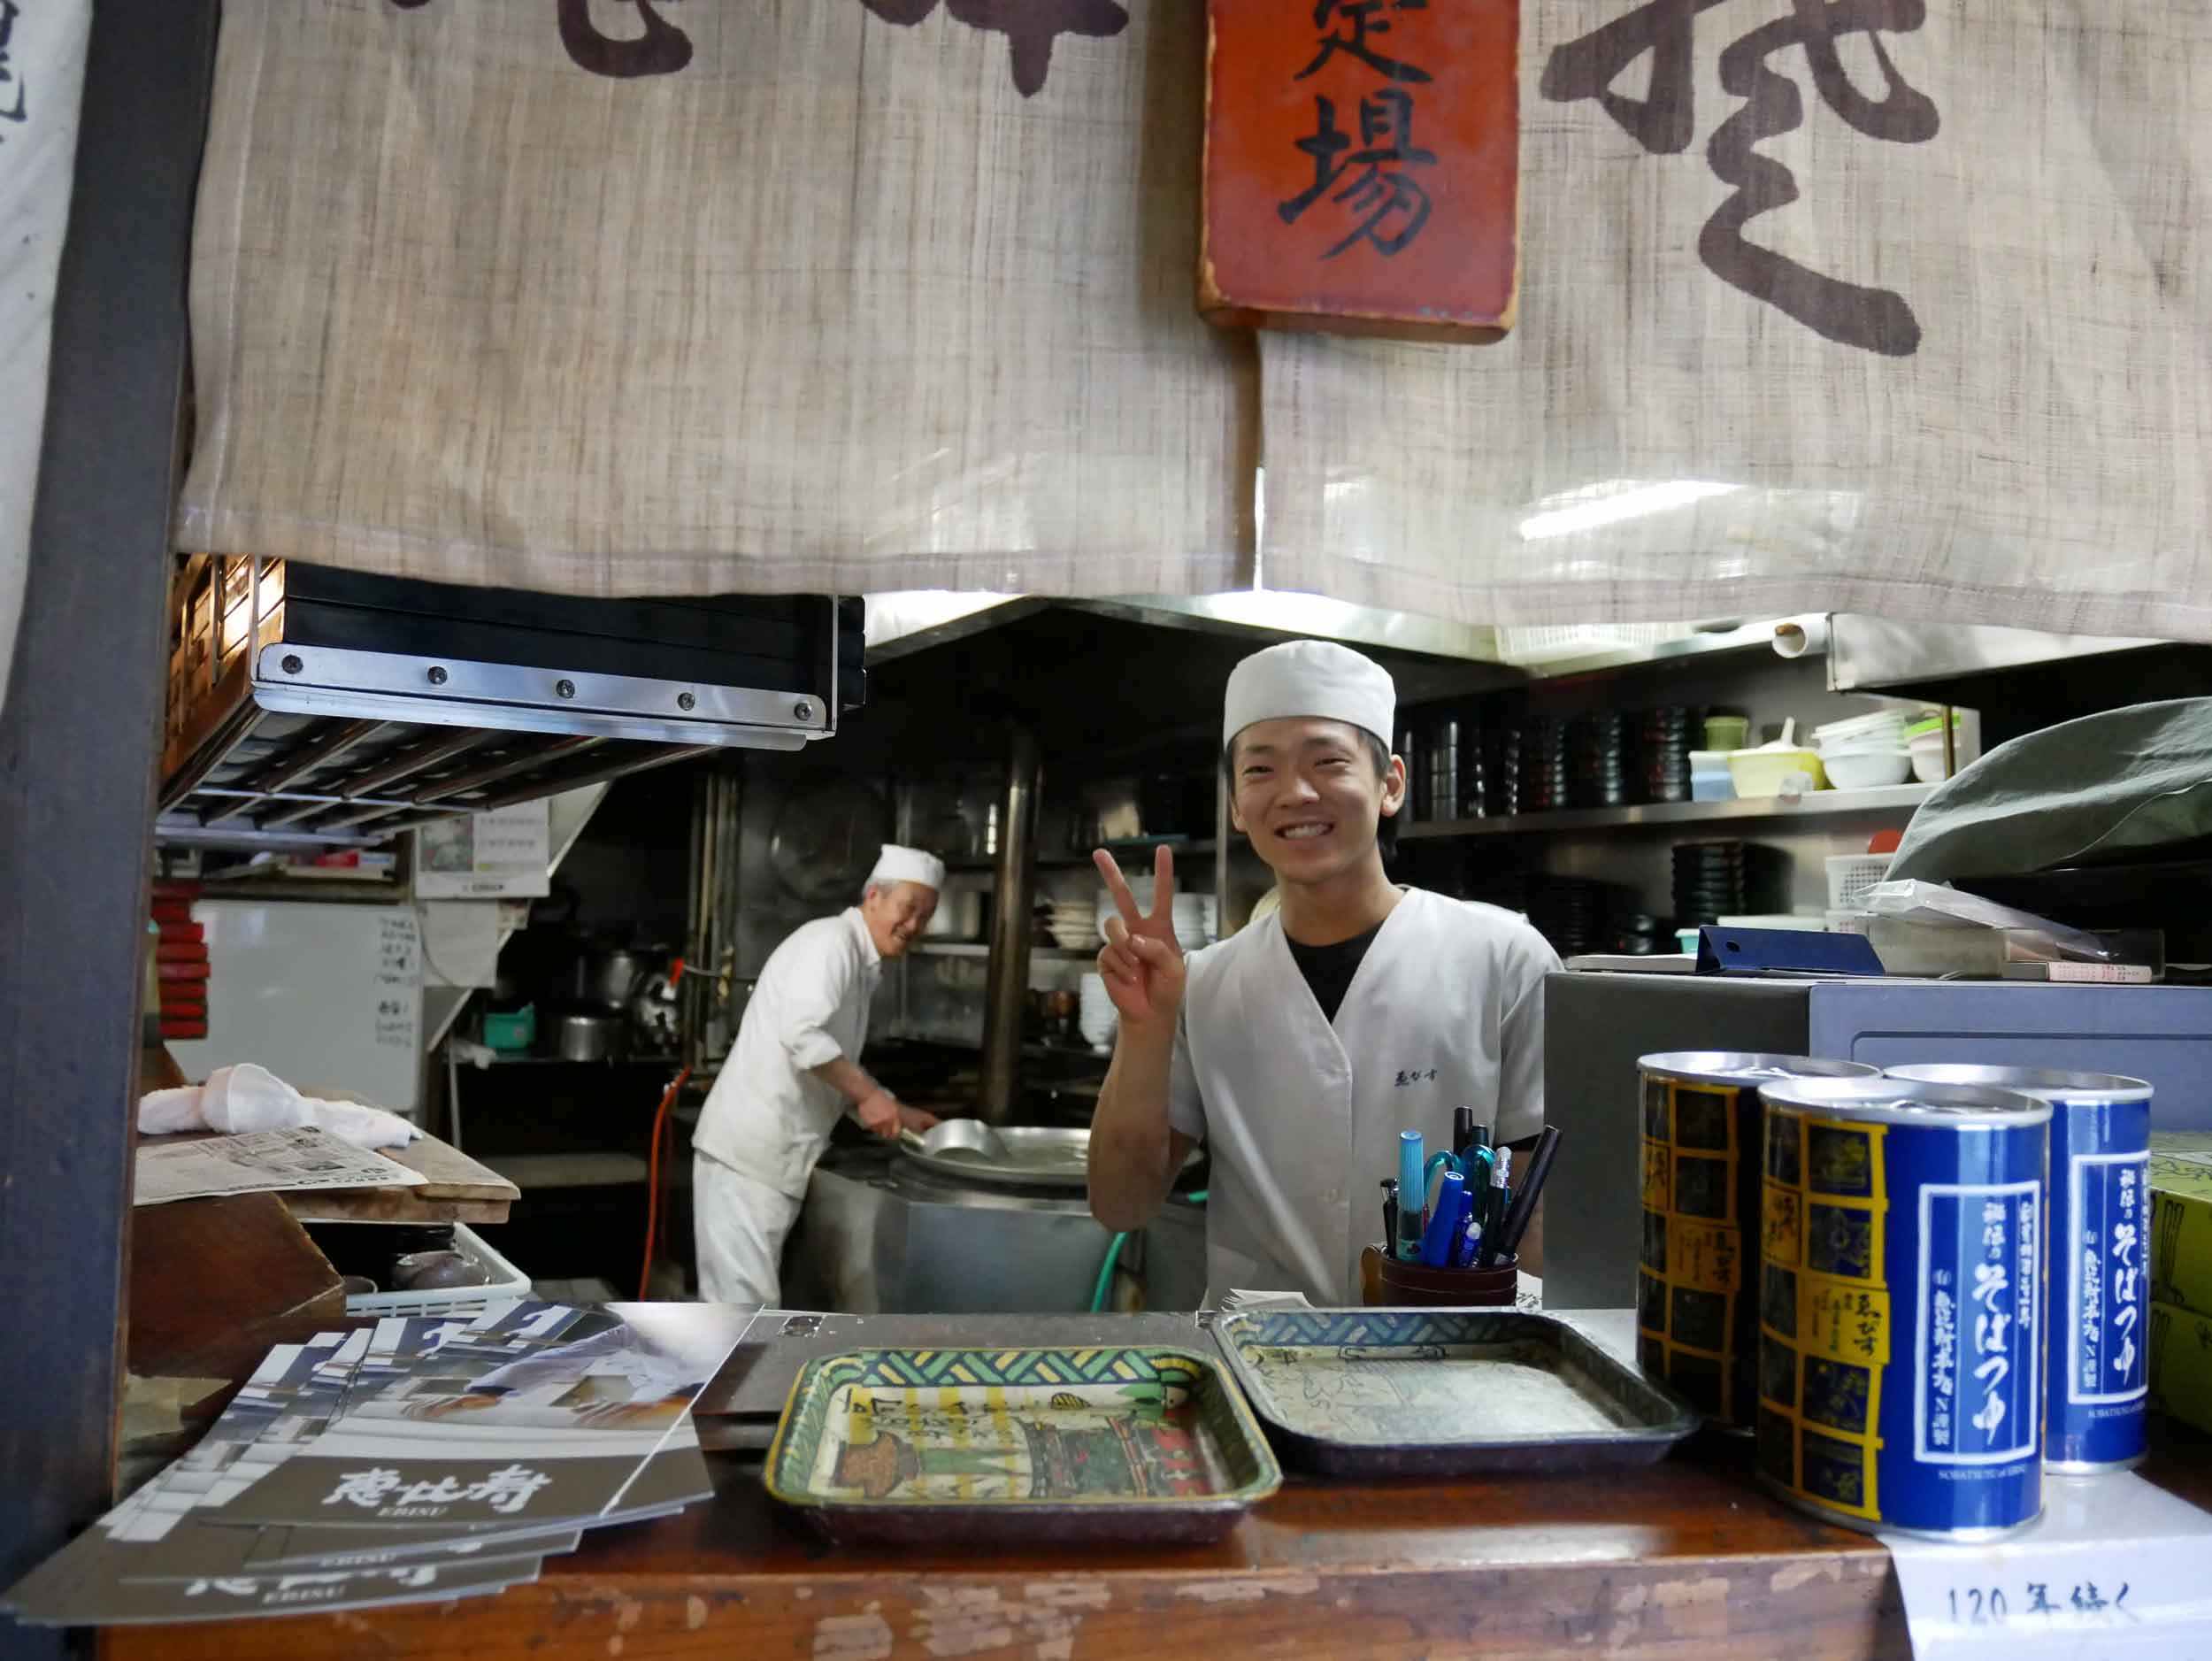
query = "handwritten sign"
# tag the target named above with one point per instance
(398, 982)
(1363, 167)
(2115, 1569)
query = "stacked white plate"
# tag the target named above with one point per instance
(1095, 1017)
(1865, 752)
(1072, 924)
(1197, 916)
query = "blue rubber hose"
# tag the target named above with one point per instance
(1113, 1257)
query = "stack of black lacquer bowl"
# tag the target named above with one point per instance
(1597, 754)
(1664, 757)
(1709, 881)
(1545, 773)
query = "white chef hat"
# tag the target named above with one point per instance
(896, 864)
(1316, 678)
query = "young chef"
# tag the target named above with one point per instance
(793, 1071)
(1298, 1048)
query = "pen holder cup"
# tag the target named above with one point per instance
(1386, 1282)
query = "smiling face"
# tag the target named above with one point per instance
(897, 913)
(1310, 794)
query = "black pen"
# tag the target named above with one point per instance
(1462, 1132)
(1523, 1206)
(1390, 1214)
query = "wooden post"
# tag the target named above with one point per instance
(78, 750)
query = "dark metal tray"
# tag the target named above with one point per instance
(1446, 1392)
(1144, 1444)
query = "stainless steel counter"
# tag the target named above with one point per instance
(878, 1236)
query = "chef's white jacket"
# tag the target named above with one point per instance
(768, 1117)
(1302, 1115)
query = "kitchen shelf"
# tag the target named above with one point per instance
(982, 948)
(1122, 852)
(1822, 804)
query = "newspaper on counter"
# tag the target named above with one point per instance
(555, 1418)
(504, 1427)
(152, 1559)
(262, 1161)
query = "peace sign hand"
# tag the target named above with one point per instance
(1143, 964)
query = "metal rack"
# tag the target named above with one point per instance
(333, 709)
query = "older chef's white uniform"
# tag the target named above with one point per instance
(1301, 1114)
(768, 1117)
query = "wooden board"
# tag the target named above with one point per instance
(460, 1190)
(214, 1282)
(1686, 1558)
(1361, 171)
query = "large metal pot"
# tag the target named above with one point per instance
(586, 1037)
(609, 975)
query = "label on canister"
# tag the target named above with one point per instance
(1696, 1325)
(1901, 1319)
(2100, 1348)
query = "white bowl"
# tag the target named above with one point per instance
(1867, 769)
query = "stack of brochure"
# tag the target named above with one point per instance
(427, 1458)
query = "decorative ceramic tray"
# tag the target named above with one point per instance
(1150, 1444)
(1446, 1391)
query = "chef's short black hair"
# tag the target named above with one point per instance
(1377, 755)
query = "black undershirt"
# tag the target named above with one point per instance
(1329, 969)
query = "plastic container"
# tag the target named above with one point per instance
(1925, 754)
(1709, 778)
(1727, 732)
(1866, 769)
(1851, 875)
(1762, 772)
(516, 1029)
(506, 1283)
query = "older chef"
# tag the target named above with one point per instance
(1299, 1047)
(793, 1071)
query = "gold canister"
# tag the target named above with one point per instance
(1697, 1325)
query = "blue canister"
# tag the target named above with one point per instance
(2097, 1364)
(1900, 1304)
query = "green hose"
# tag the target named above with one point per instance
(1113, 1257)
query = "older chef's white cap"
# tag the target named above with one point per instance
(1316, 678)
(896, 864)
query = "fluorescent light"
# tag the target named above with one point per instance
(1613, 501)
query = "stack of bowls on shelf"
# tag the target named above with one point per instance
(1543, 765)
(1665, 770)
(1072, 924)
(1865, 752)
(1501, 771)
(1709, 881)
(1197, 916)
(1094, 1016)
(1598, 760)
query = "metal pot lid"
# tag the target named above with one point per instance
(1905, 1102)
(2045, 1084)
(1737, 1066)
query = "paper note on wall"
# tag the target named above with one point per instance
(506, 853)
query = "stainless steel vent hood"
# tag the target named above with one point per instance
(311, 706)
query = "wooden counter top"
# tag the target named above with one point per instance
(1687, 1560)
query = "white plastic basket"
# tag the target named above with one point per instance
(1558, 643)
(1851, 875)
(507, 1282)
